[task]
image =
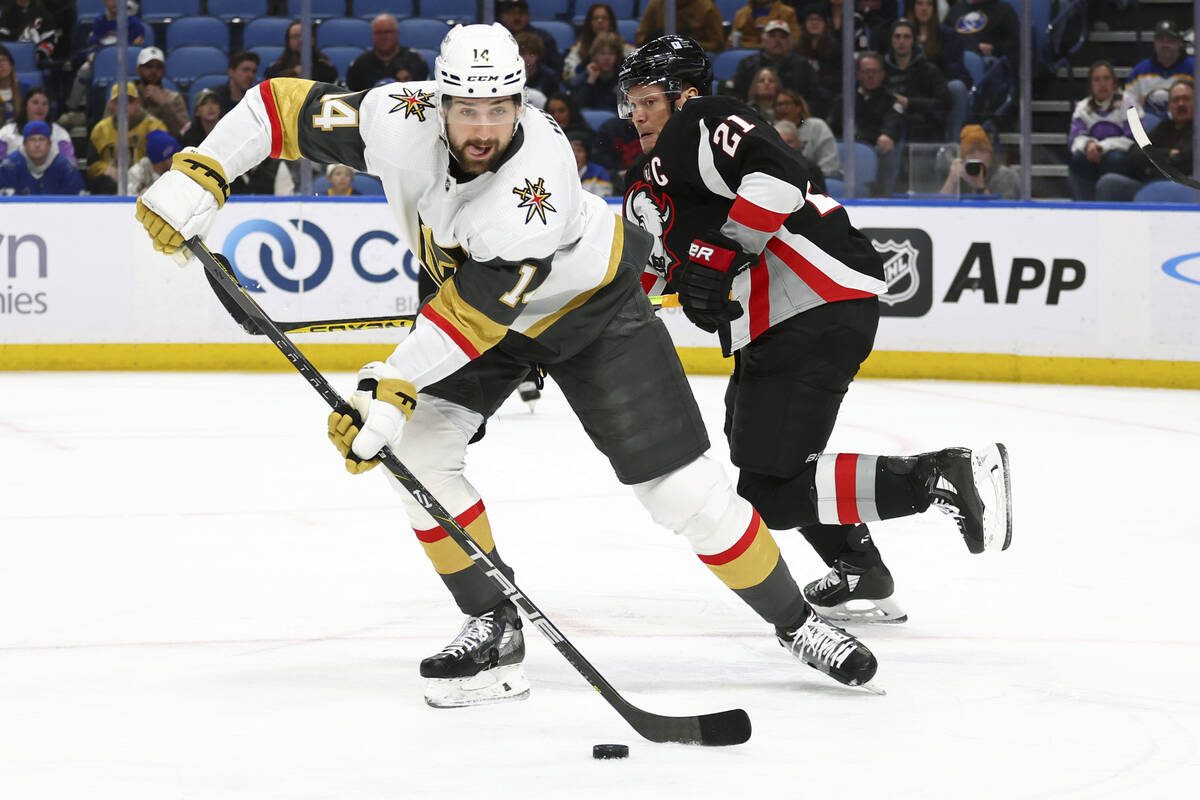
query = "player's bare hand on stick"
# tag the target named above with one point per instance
(706, 278)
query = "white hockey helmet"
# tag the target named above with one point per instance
(480, 61)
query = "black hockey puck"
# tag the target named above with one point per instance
(610, 751)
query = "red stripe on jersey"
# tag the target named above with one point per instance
(760, 300)
(648, 281)
(268, 99)
(454, 333)
(844, 473)
(745, 212)
(826, 287)
(464, 519)
(739, 547)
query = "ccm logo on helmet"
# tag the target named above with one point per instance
(482, 78)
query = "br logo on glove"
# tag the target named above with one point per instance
(714, 257)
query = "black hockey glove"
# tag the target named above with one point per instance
(705, 279)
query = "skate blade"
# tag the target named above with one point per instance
(990, 467)
(496, 685)
(873, 688)
(884, 611)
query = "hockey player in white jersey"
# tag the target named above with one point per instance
(531, 269)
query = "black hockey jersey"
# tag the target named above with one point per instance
(719, 166)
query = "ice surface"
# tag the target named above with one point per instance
(196, 601)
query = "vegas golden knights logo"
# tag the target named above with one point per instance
(412, 103)
(438, 262)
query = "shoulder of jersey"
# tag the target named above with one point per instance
(412, 103)
(711, 106)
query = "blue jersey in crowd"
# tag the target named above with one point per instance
(58, 177)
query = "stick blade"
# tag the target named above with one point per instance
(1135, 127)
(725, 728)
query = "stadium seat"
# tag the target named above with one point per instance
(191, 61)
(866, 163)
(1165, 192)
(104, 67)
(834, 187)
(243, 10)
(974, 64)
(348, 32)
(167, 10)
(202, 82)
(267, 53)
(23, 57)
(265, 30)
(624, 9)
(628, 30)
(88, 10)
(369, 9)
(197, 31)
(341, 56)
(464, 11)
(542, 10)
(1040, 24)
(31, 78)
(562, 32)
(426, 34)
(321, 9)
(725, 64)
(595, 117)
(428, 55)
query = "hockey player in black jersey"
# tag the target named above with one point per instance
(760, 255)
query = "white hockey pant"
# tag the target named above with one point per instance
(698, 502)
(433, 445)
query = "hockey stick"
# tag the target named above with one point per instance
(721, 728)
(1143, 143)
(377, 323)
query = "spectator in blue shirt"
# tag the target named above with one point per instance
(593, 177)
(38, 170)
(104, 29)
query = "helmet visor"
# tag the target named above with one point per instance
(666, 91)
(501, 111)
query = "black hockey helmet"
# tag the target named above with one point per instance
(671, 60)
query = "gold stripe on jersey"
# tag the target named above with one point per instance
(614, 259)
(289, 95)
(475, 326)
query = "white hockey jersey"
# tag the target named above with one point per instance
(522, 253)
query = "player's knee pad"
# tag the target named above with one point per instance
(698, 502)
(433, 446)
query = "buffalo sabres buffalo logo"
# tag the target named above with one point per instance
(973, 22)
(899, 270)
(656, 215)
(413, 104)
(534, 199)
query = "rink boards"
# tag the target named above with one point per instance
(997, 291)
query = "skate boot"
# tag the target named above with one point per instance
(974, 488)
(482, 664)
(828, 648)
(856, 592)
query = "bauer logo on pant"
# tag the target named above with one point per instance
(907, 268)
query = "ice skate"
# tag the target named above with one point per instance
(828, 648)
(974, 488)
(856, 593)
(482, 664)
(530, 393)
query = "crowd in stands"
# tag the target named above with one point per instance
(913, 89)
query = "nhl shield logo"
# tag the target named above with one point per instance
(907, 255)
(899, 270)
